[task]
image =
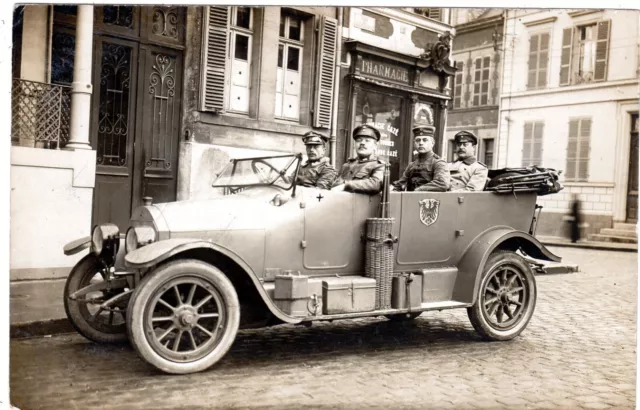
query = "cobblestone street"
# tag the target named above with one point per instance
(579, 351)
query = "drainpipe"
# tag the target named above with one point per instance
(336, 92)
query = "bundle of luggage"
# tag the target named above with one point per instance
(544, 181)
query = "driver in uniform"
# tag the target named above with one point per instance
(364, 173)
(316, 171)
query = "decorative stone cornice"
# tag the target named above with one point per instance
(578, 13)
(539, 22)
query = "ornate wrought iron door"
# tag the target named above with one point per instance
(113, 124)
(159, 123)
(136, 108)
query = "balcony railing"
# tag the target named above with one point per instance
(40, 114)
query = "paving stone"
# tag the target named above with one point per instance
(578, 352)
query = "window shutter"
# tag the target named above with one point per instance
(435, 14)
(565, 59)
(572, 150)
(214, 56)
(526, 144)
(584, 148)
(537, 143)
(533, 61)
(543, 60)
(323, 106)
(602, 50)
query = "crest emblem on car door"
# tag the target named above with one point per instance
(429, 211)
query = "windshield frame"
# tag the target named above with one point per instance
(234, 163)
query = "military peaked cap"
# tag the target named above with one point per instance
(365, 130)
(314, 138)
(466, 136)
(421, 130)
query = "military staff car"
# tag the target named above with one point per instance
(185, 276)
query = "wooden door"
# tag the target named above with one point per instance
(159, 106)
(112, 128)
(632, 187)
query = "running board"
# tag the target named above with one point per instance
(423, 308)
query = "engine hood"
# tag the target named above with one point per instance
(246, 210)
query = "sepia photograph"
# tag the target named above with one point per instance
(308, 206)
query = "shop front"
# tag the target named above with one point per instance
(394, 93)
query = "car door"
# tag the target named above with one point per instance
(328, 229)
(427, 229)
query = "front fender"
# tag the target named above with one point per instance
(76, 246)
(472, 263)
(155, 253)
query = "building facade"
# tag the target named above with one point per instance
(112, 104)
(569, 101)
(477, 53)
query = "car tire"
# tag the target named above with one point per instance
(90, 326)
(507, 290)
(403, 317)
(186, 335)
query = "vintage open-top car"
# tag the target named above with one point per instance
(266, 251)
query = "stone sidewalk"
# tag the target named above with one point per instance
(579, 352)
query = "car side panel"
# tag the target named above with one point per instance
(422, 244)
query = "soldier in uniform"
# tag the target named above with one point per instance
(316, 171)
(467, 173)
(363, 174)
(427, 173)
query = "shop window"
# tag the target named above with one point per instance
(538, 61)
(288, 73)
(482, 71)
(532, 143)
(578, 150)
(385, 112)
(585, 53)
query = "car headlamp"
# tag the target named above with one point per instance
(104, 235)
(139, 236)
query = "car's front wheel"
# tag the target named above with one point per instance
(506, 297)
(183, 317)
(84, 308)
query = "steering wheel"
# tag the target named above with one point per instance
(261, 172)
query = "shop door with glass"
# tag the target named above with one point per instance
(386, 113)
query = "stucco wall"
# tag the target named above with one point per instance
(623, 52)
(35, 44)
(51, 199)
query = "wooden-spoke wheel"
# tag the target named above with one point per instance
(506, 297)
(84, 292)
(184, 317)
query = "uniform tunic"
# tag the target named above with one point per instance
(468, 175)
(362, 176)
(425, 174)
(319, 174)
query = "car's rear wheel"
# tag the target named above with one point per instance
(183, 317)
(404, 317)
(506, 297)
(84, 311)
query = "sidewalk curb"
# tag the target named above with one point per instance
(604, 246)
(40, 328)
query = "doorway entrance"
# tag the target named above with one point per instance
(135, 118)
(632, 186)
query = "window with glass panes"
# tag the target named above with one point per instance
(486, 155)
(290, 48)
(482, 70)
(241, 39)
